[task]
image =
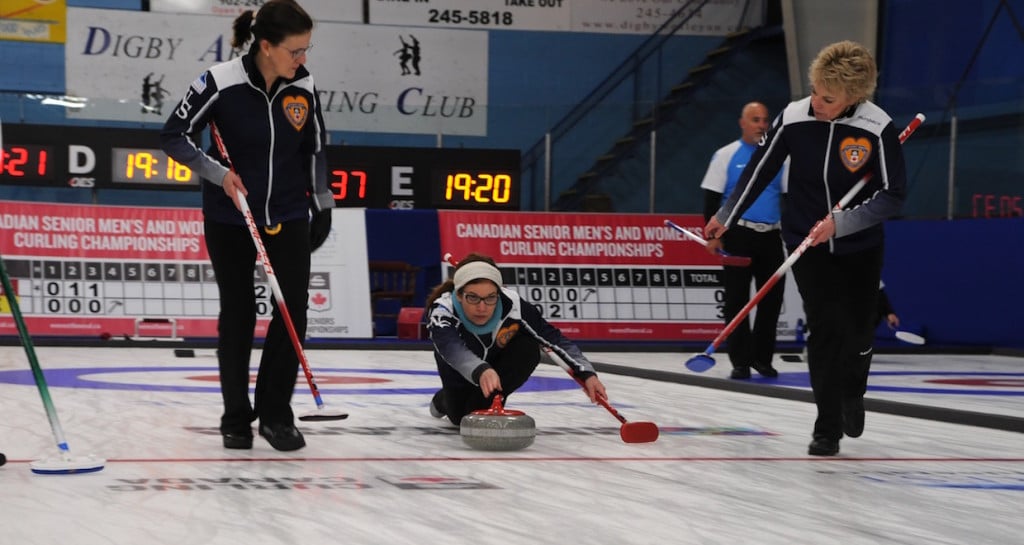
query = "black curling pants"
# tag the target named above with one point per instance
(233, 256)
(514, 364)
(840, 294)
(748, 346)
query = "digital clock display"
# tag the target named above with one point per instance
(475, 189)
(427, 178)
(398, 178)
(26, 164)
(149, 167)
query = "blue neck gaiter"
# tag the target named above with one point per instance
(478, 329)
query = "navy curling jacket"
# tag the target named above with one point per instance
(470, 354)
(827, 158)
(275, 142)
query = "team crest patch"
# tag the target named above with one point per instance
(506, 334)
(296, 109)
(854, 152)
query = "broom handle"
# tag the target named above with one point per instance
(572, 373)
(37, 372)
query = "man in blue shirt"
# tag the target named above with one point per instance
(757, 235)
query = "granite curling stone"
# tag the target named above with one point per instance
(497, 428)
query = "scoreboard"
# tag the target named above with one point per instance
(88, 270)
(358, 176)
(441, 178)
(606, 277)
(89, 157)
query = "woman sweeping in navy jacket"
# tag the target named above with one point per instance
(832, 138)
(265, 106)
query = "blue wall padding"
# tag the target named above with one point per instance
(407, 235)
(961, 281)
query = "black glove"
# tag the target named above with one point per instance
(319, 229)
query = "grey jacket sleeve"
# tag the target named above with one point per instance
(443, 327)
(190, 117)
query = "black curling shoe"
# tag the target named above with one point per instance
(740, 373)
(282, 436)
(766, 371)
(237, 440)
(437, 405)
(823, 447)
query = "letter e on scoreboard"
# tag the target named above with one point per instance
(401, 181)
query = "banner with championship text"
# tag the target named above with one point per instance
(143, 273)
(604, 276)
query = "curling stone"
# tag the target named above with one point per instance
(497, 428)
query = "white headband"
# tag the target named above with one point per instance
(476, 270)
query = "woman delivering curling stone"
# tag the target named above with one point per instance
(487, 340)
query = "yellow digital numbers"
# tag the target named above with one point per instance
(132, 165)
(143, 161)
(483, 187)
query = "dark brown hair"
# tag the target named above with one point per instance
(274, 22)
(449, 284)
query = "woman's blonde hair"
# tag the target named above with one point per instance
(845, 66)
